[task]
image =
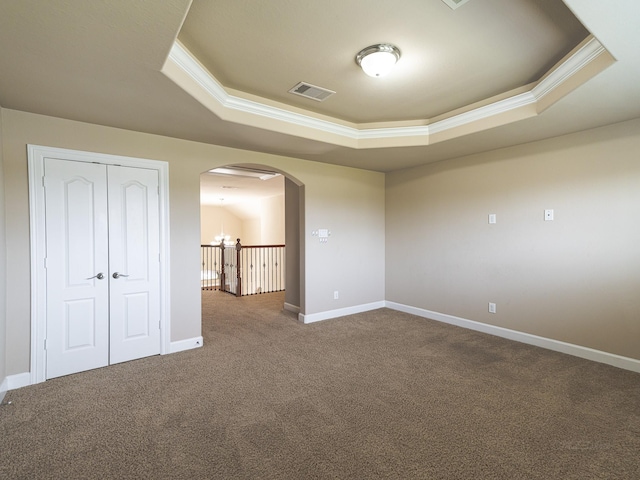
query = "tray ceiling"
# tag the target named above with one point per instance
(450, 58)
(487, 75)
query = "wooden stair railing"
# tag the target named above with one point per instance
(258, 268)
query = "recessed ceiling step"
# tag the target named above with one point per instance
(455, 3)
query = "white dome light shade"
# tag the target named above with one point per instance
(378, 60)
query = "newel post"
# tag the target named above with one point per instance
(239, 268)
(223, 285)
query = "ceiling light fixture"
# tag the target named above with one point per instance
(378, 60)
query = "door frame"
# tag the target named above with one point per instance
(35, 159)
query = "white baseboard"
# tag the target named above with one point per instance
(4, 386)
(24, 379)
(548, 343)
(182, 345)
(291, 308)
(340, 312)
(18, 381)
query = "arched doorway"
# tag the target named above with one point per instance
(260, 205)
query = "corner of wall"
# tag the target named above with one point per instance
(3, 270)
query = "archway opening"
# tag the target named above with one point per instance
(264, 208)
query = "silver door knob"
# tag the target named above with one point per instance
(118, 275)
(99, 276)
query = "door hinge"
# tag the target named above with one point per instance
(45, 343)
(44, 183)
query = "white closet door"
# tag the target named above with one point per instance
(134, 247)
(102, 266)
(77, 269)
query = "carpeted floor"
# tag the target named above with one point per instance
(375, 395)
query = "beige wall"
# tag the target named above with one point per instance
(350, 204)
(292, 241)
(3, 271)
(575, 279)
(348, 201)
(213, 219)
(272, 220)
(268, 229)
(251, 232)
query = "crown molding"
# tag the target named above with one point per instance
(482, 113)
(281, 119)
(394, 132)
(582, 56)
(189, 65)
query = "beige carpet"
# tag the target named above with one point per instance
(376, 395)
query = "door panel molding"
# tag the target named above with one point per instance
(77, 250)
(36, 160)
(133, 252)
